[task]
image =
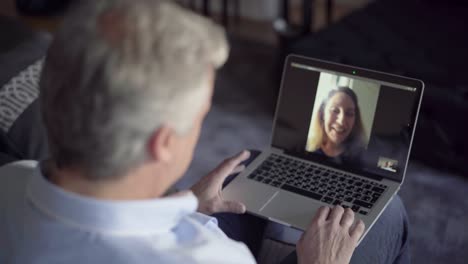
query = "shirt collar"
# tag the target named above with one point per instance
(140, 217)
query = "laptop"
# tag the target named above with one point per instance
(342, 135)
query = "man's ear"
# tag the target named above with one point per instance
(160, 144)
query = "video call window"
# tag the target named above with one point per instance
(342, 117)
(350, 122)
(388, 164)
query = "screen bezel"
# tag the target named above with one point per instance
(358, 72)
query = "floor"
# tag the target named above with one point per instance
(241, 117)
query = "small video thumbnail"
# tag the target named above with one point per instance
(387, 164)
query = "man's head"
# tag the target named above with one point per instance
(126, 83)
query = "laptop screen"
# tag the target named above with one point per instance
(348, 118)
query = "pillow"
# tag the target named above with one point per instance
(18, 94)
(21, 56)
(22, 132)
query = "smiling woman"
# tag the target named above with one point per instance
(336, 129)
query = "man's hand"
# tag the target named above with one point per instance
(331, 237)
(208, 189)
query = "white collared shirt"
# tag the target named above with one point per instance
(42, 223)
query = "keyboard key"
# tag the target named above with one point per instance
(362, 203)
(355, 208)
(337, 202)
(327, 199)
(363, 212)
(276, 183)
(348, 199)
(378, 190)
(293, 189)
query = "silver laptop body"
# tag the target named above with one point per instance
(287, 182)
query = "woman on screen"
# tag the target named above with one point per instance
(336, 129)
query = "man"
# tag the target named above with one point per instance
(124, 91)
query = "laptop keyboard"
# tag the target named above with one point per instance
(319, 183)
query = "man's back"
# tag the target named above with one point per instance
(42, 223)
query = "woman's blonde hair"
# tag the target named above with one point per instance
(356, 138)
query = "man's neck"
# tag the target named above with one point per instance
(142, 183)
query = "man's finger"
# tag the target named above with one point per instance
(231, 207)
(357, 231)
(225, 168)
(238, 169)
(321, 214)
(348, 218)
(336, 214)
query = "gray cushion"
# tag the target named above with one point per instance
(21, 132)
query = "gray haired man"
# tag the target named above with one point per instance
(124, 91)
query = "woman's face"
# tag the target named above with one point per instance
(339, 117)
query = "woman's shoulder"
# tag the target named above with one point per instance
(318, 151)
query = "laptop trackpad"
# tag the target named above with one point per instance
(291, 209)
